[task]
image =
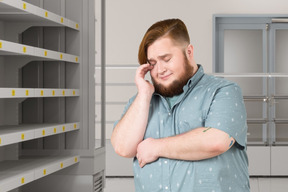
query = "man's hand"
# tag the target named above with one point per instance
(147, 151)
(144, 86)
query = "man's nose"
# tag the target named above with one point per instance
(161, 67)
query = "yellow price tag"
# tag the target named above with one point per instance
(13, 92)
(43, 132)
(24, 49)
(27, 92)
(63, 128)
(44, 171)
(61, 56)
(76, 159)
(74, 92)
(75, 126)
(45, 53)
(0, 141)
(0, 44)
(63, 92)
(53, 93)
(77, 25)
(46, 14)
(42, 93)
(22, 180)
(62, 19)
(22, 136)
(61, 165)
(76, 59)
(55, 130)
(24, 5)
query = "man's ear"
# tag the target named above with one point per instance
(189, 51)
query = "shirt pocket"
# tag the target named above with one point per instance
(190, 120)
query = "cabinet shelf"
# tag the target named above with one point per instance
(257, 121)
(18, 133)
(37, 92)
(18, 10)
(15, 173)
(10, 48)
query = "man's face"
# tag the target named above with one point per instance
(172, 68)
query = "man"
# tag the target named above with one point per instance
(187, 130)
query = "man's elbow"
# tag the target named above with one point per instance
(123, 151)
(218, 148)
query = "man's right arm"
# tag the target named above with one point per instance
(130, 130)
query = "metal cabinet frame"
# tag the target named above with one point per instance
(266, 157)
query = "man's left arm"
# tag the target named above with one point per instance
(198, 144)
(224, 125)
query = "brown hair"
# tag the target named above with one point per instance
(173, 28)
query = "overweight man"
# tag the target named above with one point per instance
(186, 130)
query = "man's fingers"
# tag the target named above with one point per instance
(141, 163)
(143, 69)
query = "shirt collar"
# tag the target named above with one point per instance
(195, 78)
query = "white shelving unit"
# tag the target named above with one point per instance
(29, 93)
(15, 173)
(18, 133)
(10, 48)
(47, 93)
(17, 10)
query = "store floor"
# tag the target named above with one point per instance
(259, 184)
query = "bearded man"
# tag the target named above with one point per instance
(186, 130)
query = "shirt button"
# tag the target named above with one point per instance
(166, 188)
(169, 114)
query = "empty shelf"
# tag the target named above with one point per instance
(15, 173)
(11, 48)
(37, 92)
(17, 10)
(18, 133)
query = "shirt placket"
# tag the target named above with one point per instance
(166, 162)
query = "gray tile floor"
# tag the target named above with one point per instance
(118, 184)
(257, 184)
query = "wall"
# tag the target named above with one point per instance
(126, 23)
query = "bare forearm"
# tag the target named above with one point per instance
(130, 130)
(199, 144)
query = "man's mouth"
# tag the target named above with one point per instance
(165, 77)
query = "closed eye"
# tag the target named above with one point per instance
(151, 62)
(167, 59)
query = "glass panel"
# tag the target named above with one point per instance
(251, 86)
(256, 109)
(281, 109)
(281, 48)
(256, 134)
(243, 51)
(281, 86)
(281, 134)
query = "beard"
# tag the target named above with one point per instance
(176, 87)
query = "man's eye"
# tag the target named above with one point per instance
(167, 60)
(152, 63)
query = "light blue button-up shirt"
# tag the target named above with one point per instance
(207, 101)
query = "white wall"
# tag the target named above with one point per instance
(128, 20)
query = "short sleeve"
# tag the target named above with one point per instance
(125, 109)
(227, 113)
